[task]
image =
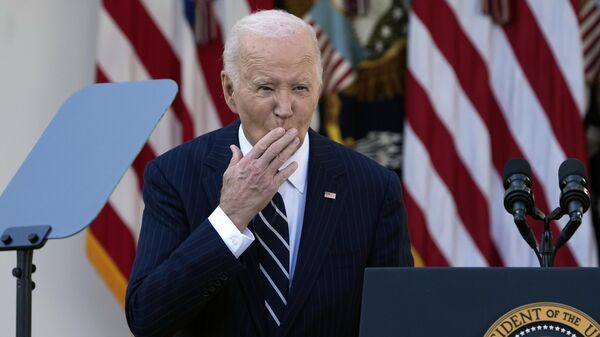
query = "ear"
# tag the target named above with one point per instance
(228, 90)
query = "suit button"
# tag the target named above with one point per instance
(211, 289)
(217, 283)
(222, 276)
(205, 293)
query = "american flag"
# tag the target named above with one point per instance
(590, 34)
(149, 39)
(480, 90)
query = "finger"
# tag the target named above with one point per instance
(282, 175)
(263, 144)
(236, 155)
(284, 155)
(276, 148)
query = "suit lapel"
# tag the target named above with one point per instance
(217, 161)
(321, 219)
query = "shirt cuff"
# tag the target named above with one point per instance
(236, 241)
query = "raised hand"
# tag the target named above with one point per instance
(250, 181)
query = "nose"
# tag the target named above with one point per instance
(283, 104)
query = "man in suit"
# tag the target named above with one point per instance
(264, 227)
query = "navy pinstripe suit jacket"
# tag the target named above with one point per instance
(186, 282)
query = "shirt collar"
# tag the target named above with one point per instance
(298, 178)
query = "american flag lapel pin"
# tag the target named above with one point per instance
(329, 195)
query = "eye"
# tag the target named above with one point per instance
(264, 88)
(301, 88)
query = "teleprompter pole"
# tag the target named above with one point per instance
(25, 285)
(24, 240)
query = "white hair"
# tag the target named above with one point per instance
(268, 23)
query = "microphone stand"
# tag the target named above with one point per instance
(547, 250)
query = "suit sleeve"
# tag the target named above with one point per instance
(392, 243)
(176, 272)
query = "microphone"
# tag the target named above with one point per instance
(574, 195)
(518, 197)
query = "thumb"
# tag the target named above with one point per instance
(236, 154)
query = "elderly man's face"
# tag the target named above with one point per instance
(278, 85)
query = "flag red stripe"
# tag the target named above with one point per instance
(329, 70)
(343, 78)
(256, 5)
(589, 11)
(547, 81)
(210, 59)
(328, 55)
(100, 76)
(473, 76)
(591, 28)
(470, 203)
(331, 67)
(319, 32)
(419, 234)
(592, 63)
(116, 238)
(537, 61)
(575, 4)
(139, 164)
(592, 44)
(153, 50)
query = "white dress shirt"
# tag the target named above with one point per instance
(293, 192)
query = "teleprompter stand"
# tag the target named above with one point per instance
(69, 174)
(24, 240)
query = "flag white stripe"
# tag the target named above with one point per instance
(462, 121)
(591, 39)
(229, 12)
(330, 56)
(587, 7)
(171, 21)
(590, 56)
(330, 65)
(126, 201)
(526, 119)
(591, 20)
(593, 72)
(337, 73)
(428, 190)
(348, 81)
(117, 59)
(562, 42)
(451, 105)
(115, 54)
(528, 122)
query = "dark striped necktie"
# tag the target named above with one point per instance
(271, 232)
